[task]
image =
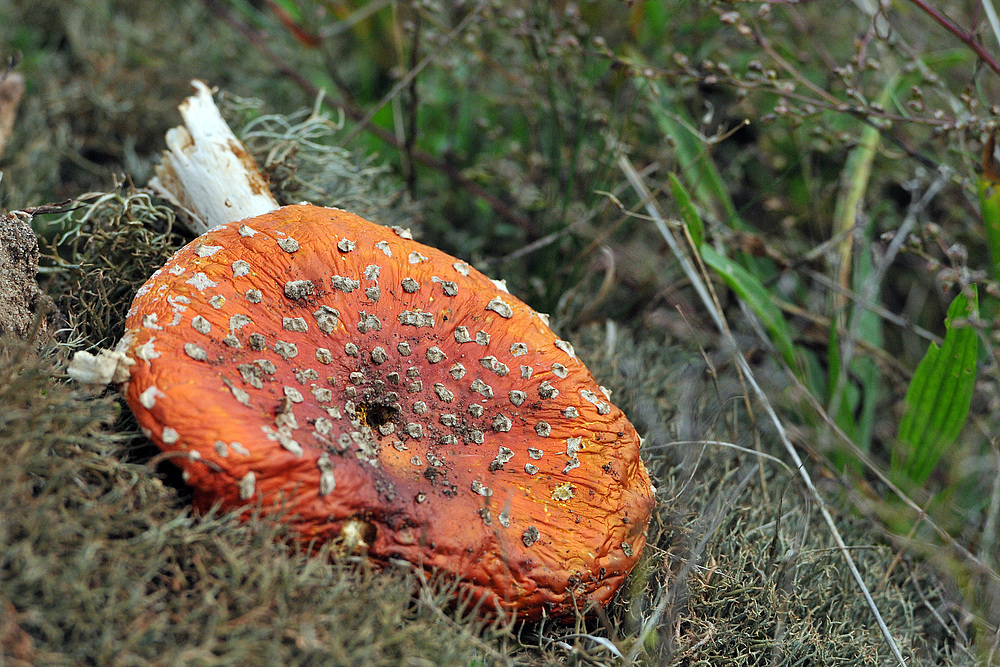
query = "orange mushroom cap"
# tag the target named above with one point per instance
(390, 397)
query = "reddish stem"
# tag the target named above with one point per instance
(965, 36)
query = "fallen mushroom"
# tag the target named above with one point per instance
(380, 394)
(391, 399)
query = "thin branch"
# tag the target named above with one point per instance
(964, 36)
(765, 44)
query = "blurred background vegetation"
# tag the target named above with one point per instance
(833, 179)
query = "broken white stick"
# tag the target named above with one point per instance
(206, 171)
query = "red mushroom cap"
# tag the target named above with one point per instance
(390, 397)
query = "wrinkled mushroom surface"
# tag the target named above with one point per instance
(392, 399)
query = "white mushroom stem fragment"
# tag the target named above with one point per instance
(206, 171)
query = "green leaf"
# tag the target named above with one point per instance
(854, 388)
(691, 218)
(753, 293)
(938, 398)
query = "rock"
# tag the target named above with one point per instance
(21, 301)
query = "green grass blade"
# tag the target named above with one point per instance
(753, 293)
(989, 203)
(695, 160)
(868, 327)
(939, 396)
(688, 212)
(841, 409)
(989, 207)
(857, 173)
(704, 181)
(854, 385)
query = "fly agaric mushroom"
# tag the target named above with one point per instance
(391, 399)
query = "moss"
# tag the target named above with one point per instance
(302, 158)
(95, 253)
